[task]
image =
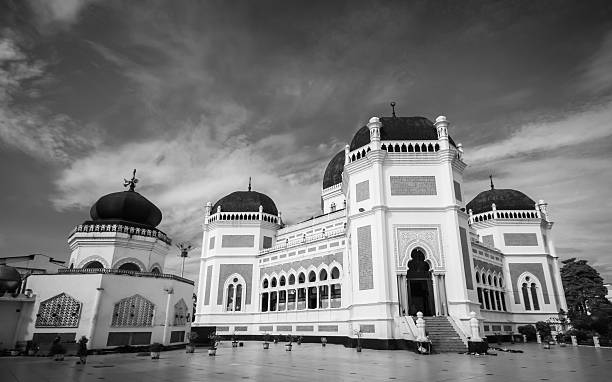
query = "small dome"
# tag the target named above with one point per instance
(9, 279)
(504, 199)
(399, 129)
(128, 206)
(246, 201)
(333, 172)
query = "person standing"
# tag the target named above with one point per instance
(82, 352)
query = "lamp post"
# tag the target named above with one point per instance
(184, 248)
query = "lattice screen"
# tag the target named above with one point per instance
(133, 311)
(61, 311)
(180, 313)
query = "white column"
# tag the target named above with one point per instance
(434, 282)
(475, 327)
(166, 337)
(94, 316)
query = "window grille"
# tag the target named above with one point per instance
(133, 311)
(61, 311)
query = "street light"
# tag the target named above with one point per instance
(184, 248)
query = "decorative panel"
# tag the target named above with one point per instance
(362, 191)
(306, 328)
(488, 240)
(428, 238)
(467, 265)
(133, 311)
(536, 269)
(457, 190)
(208, 285)
(520, 239)
(226, 270)
(211, 244)
(413, 185)
(61, 311)
(284, 328)
(180, 313)
(177, 336)
(238, 241)
(240, 328)
(267, 242)
(222, 328)
(367, 328)
(328, 328)
(266, 328)
(479, 264)
(364, 254)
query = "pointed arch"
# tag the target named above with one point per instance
(134, 311)
(181, 313)
(60, 311)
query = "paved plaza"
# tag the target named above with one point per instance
(311, 362)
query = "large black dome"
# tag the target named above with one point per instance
(399, 129)
(127, 206)
(246, 201)
(504, 199)
(333, 172)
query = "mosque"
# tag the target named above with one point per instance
(395, 238)
(114, 291)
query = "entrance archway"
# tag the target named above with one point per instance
(420, 285)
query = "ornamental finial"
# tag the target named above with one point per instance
(132, 182)
(249, 183)
(491, 178)
(393, 108)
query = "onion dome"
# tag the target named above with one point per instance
(333, 172)
(399, 129)
(246, 201)
(9, 279)
(128, 206)
(504, 199)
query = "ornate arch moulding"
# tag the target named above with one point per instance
(89, 259)
(427, 237)
(139, 263)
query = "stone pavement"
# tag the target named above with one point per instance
(311, 362)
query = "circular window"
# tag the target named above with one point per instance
(527, 278)
(235, 279)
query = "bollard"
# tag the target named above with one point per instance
(596, 341)
(420, 324)
(574, 341)
(475, 327)
(539, 338)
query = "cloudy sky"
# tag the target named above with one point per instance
(200, 95)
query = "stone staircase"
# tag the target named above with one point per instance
(443, 336)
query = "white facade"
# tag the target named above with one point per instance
(395, 235)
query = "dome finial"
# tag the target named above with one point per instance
(491, 178)
(249, 183)
(132, 182)
(393, 108)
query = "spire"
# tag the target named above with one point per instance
(491, 178)
(249, 183)
(132, 182)
(393, 108)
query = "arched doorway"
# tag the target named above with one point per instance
(419, 284)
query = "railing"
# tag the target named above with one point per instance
(122, 228)
(109, 271)
(247, 216)
(504, 215)
(304, 240)
(416, 147)
(332, 188)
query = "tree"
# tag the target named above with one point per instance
(584, 288)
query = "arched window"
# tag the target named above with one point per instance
(273, 282)
(501, 282)
(93, 265)
(477, 277)
(489, 280)
(534, 297)
(495, 280)
(129, 267)
(265, 283)
(526, 296)
(301, 278)
(133, 311)
(155, 270)
(291, 280)
(312, 277)
(335, 273)
(234, 293)
(282, 281)
(323, 275)
(180, 313)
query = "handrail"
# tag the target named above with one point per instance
(505, 215)
(304, 240)
(112, 271)
(221, 215)
(122, 228)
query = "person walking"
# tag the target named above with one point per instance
(82, 352)
(57, 350)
